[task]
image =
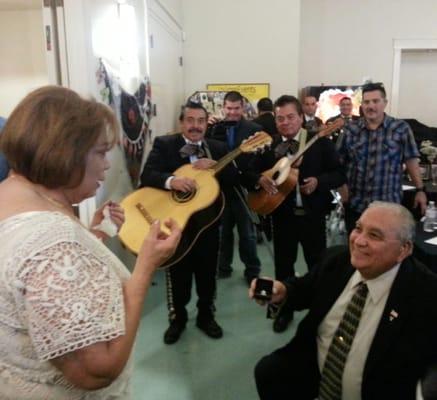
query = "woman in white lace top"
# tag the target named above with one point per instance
(69, 310)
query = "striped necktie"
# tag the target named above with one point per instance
(331, 381)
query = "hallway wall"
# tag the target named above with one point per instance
(345, 41)
(245, 41)
(23, 65)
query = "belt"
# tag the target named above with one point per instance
(299, 211)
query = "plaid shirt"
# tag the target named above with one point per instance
(373, 160)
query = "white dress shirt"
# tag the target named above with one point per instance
(379, 289)
(290, 156)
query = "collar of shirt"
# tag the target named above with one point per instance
(187, 141)
(377, 286)
(237, 123)
(295, 137)
(308, 118)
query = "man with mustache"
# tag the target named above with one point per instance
(370, 332)
(373, 150)
(169, 153)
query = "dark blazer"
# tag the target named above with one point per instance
(321, 160)
(164, 159)
(332, 119)
(243, 129)
(267, 121)
(402, 347)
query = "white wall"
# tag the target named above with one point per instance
(343, 41)
(166, 73)
(244, 41)
(418, 86)
(23, 65)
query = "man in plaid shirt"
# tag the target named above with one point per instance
(373, 150)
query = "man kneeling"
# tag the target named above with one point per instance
(371, 328)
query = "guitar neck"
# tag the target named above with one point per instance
(300, 153)
(232, 155)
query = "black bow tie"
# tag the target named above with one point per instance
(288, 146)
(190, 149)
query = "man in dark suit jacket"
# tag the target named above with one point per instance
(311, 123)
(301, 216)
(346, 106)
(396, 335)
(168, 154)
(265, 116)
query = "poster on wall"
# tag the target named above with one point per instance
(328, 98)
(212, 98)
(133, 111)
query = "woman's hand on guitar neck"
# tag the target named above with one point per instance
(268, 184)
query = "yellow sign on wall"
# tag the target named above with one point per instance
(252, 91)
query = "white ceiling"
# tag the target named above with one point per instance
(20, 4)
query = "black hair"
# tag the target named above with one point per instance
(370, 87)
(287, 99)
(264, 104)
(233, 96)
(194, 106)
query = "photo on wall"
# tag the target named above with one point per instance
(212, 98)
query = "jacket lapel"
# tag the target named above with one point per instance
(179, 142)
(330, 291)
(395, 313)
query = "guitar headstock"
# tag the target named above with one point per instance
(256, 142)
(334, 126)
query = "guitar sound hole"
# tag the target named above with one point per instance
(182, 197)
(275, 175)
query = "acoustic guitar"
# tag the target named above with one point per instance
(193, 211)
(285, 176)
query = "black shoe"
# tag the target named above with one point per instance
(210, 327)
(281, 322)
(222, 274)
(173, 332)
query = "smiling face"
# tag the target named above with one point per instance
(373, 106)
(345, 107)
(233, 110)
(375, 245)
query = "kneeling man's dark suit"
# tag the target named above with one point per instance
(400, 352)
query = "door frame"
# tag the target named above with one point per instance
(399, 46)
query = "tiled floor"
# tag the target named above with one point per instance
(200, 368)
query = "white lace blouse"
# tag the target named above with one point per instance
(60, 290)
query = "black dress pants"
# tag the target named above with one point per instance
(284, 374)
(288, 231)
(200, 262)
